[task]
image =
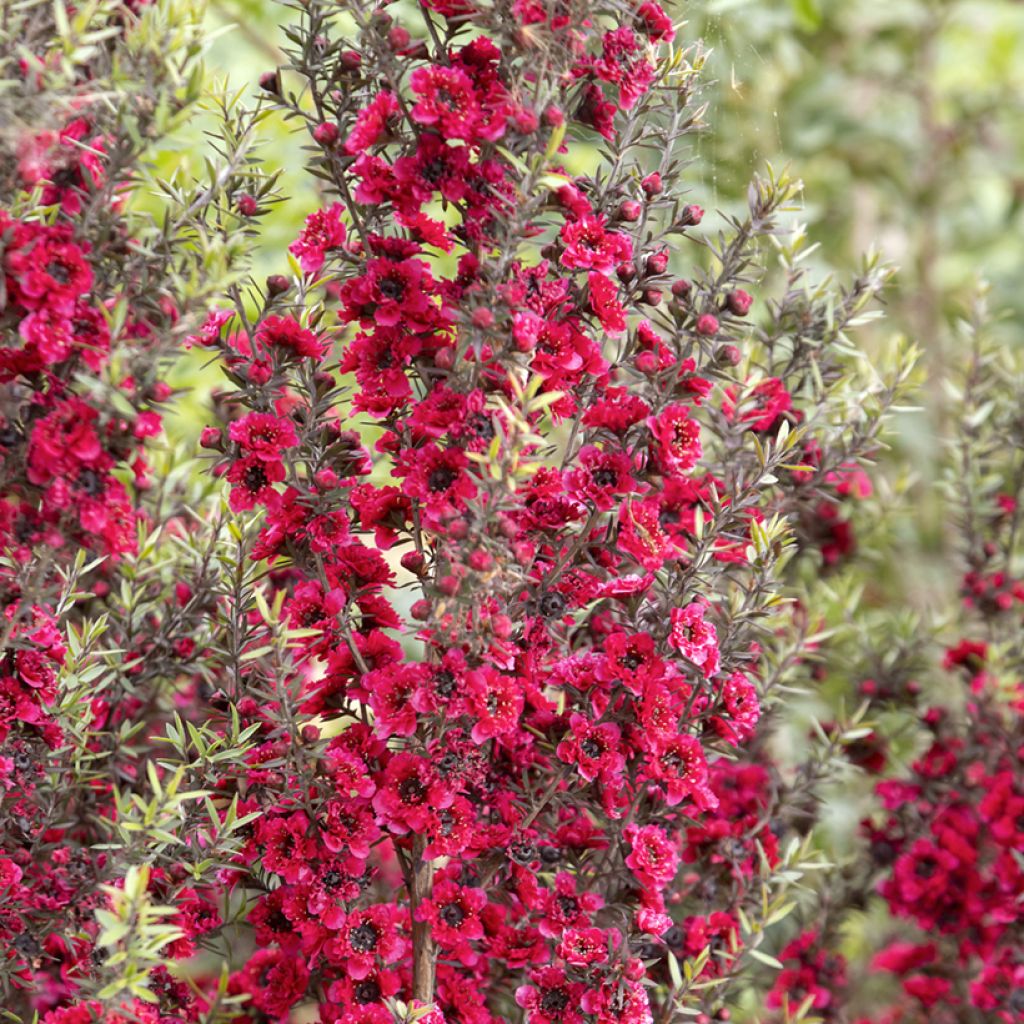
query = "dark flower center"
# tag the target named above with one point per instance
(568, 905)
(367, 992)
(412, 791)
(434, 170)
(364, 938)
(255, 478)
(591, 748)
(552, 605)
(453, 915)
(441, 479)
(392, 288)
(59, 272)
(554, 1000)
(444, 683)
(605, 477)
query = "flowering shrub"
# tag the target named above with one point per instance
(93, 301)
(458, 704)
(940, 847)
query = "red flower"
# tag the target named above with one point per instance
(679, 765)
(677, 439)
(254, 480)
(264, 435)
(372, 121)
(495, 700)
(285, 335)
(410, 793)
(275, 982)
(453, 912)
(323, 232)
(448, 102)
(437, 478)
(588, 246)
(653, 860)
(694, 638)
(593, 749)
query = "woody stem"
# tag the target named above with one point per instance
(424, 953)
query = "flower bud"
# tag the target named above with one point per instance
(444, 358)
(448, 585)
(681, 288)
(277, 284)
(398, 38)
(690, 215)
(414, 562)
(652, 184)
(480, 560)
(270, 82)
(553, 115)
(248, 206)
(421, 609)
(350, 60)
(739, 302)
(652, 296)
(483, 317)
(625, 272)
(326, 133)
(707, 324)
(212, 439)
(657, 262)
(630, 210)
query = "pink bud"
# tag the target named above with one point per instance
(398, 38)
(211, 438)
(739, 302)
(420, 609)
(707, 325)
(326, 133)
(414, 562)
(480, 560)
(657, 262)
(652, 184)
(483, 317)
(692, 214)
(630, 210)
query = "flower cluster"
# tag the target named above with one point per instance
(511, 790)
(89, 309)
(454, 717)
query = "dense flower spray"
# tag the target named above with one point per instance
(938, 857)
(450, 709)
(524, 502)
(93, 302)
